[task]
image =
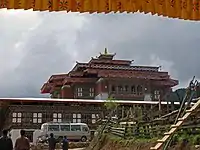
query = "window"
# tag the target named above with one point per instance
(126, 88)
(113, 88)
(79, 92)
(133, 89)
(85, 118)
(76, 118)
(53, 128)
(75, 128)
(57, 117)
(94, 118)
(145, 89)
(157, 94)
(37, 117)
(66, 117)
(65, 127)
(139, 90)
(91, 92)
(120, 88)
(17, 117)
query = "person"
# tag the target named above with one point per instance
(52, 142)
(65, 143)
(22, 143)
(5, 141)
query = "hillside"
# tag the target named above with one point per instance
(109, 142)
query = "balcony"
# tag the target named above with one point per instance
(127, 96)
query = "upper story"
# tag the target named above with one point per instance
(104, 77)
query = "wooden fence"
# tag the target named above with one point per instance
(142, 131)
(118, 131)
(146, 131)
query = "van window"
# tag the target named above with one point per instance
(65, 127)
(85, 129)
(75, 128)
(54, 128)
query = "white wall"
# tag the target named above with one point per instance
(102, 96)
(15, 133)
(147, 97)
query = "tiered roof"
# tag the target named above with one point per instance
(104, 66)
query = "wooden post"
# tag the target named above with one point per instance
(159, 104)
(159, 107)
(122, 111)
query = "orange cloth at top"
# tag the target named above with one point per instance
(183, 9)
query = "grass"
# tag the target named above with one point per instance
(131, 139)
(193, 139)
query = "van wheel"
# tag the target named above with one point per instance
(83, 139)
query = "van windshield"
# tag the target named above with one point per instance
(85, 128)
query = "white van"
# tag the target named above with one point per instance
(73, 131)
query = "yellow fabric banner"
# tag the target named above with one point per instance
(183, 9)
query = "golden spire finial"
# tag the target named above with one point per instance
(106, 51)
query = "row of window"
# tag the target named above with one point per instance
(66, 128)
(80, 92)
(57, 117)
(121, 89)
(132, 89)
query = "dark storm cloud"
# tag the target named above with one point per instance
(36, 45)
(45, 48)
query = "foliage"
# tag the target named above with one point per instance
(183, 134)
(177, 95)
(196, 140)
(110, 104)
(131, 139)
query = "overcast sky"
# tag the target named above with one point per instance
(34, 45)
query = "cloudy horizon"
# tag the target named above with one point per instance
(35, 45)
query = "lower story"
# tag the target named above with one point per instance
(32, 113)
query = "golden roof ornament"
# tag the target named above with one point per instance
(106, 55)
(105, 51)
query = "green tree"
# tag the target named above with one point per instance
(111, 104)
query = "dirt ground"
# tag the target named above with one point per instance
(130, 146)
(77, 149)
(142, 146)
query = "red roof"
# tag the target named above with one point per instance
(129, 74)
(46, 88)
(114, 67)
(169, 82)
(54, 80)
(79, 80)
(76, 73)
(79, 65)
(58, 77)
(113, 62)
